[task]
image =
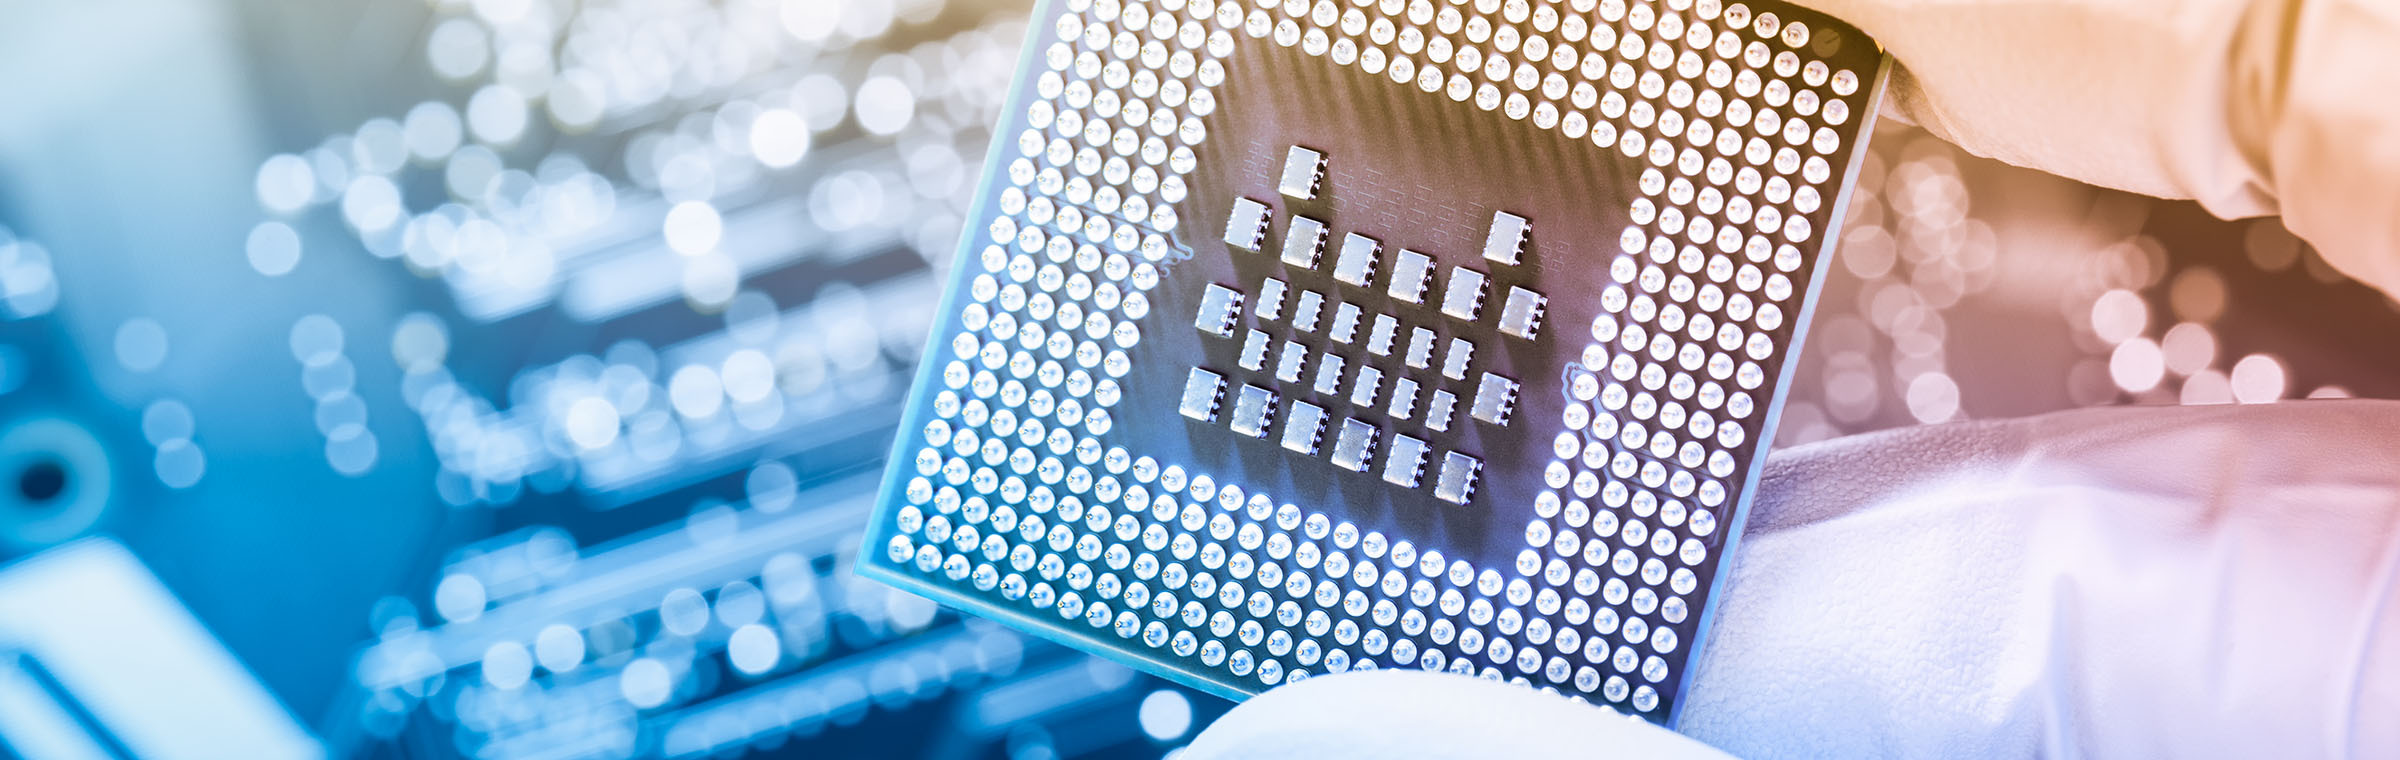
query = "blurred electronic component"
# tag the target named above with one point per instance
(1721, 218)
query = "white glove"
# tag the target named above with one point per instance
(2120, 582)
(2252, 107)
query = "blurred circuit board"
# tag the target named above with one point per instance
(509, 378)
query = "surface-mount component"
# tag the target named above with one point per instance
(1354, 445)
(1303, 170)
(1251, 410)
(1464, 297)
(1506, 240)
(1687, 163)
(1521, 314)
(1246, 226)
(1457, 481)
(1355, 264)
(1303, 242)
(1412, 273)
(1201, 392)
(1219, 307)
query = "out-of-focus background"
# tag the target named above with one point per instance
(505, 378)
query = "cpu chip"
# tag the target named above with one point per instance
(1681, 159)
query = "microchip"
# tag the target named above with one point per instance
(1506, 241)
(1454, 361)
(1246, 227)
(1345, 323)
(1404, 398)
(1464, 298)
(1495, 398)
(1304, 311)
(1270, 299)
(1201, 392)
(1329, 375)
(1457, 481)
(1254, 350)
(1307, 423)
(1411, 275)
(1439, 409)
(1252, 409)
(1420, 348)
(1303, 242)
(1355, 264)
(1379, 338)
(1405, 463)
(1365, 386)
(1376, 414)
(1219, 306)
(1354, 445)
(1287, 364)
(1303, 170)
(1521, 315)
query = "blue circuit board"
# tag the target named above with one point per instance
(1289, 339)
(496, 379)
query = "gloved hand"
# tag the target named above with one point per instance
(2118, 582)
(2253, 107)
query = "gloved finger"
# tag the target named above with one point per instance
(2250, 106)
(1386, 714)
(2129, 582)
